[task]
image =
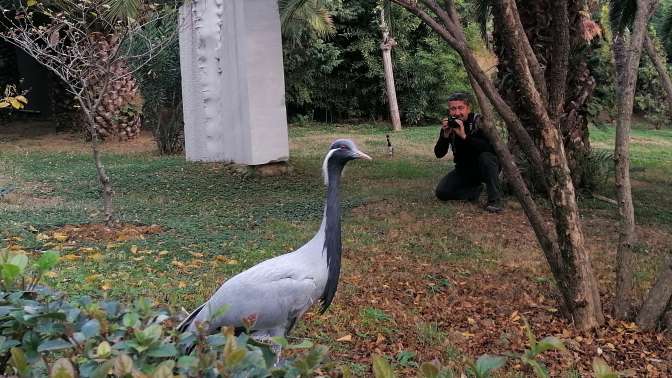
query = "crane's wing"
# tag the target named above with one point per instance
(275, 301)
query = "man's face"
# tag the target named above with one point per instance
(459, 109)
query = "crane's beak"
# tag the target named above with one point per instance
(361, 155)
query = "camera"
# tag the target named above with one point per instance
(452, 122)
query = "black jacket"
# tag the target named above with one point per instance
(465, 151)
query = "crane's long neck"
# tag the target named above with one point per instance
(332, 230)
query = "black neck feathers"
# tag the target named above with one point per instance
(332, 240)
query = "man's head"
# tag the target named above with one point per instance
(458, 105)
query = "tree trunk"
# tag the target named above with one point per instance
(386, 46)
(658, 299)
(627, 79)
(103, 178)
(567, 84)
(665, 80)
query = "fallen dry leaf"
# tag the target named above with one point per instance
(61, 237)
(345, 339)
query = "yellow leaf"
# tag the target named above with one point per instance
(30, 3)
(163, 253)
(345, 339)
(196, 254)
(22, 99)
(232, 262)
(61, 237)
(181, 284)
(71, 257)
(51, 274)
(15, 104)
(467, 334)
(134, 249)
(471, 321)
(96, 257)
(88, 250)
(515, 317)
(92, 278)
(139, 258)
(106, 286)
(177, 263)
(4, 104)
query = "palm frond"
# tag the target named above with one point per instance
(482, 12)
(120, 10)
(666, 30)
(622, 14)
(297, 16)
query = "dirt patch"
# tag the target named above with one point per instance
(651, 142)
(26, 136)
(100, 232)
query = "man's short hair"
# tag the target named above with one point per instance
(460, 96)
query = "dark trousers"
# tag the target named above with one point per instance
(465, 183)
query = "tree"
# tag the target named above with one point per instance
(630, 19)
(386, 46)
(565, 252)
(83, 43)
(539, 19)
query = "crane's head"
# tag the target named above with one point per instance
(340, 152)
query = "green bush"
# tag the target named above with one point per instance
(44, 333)
(342, 78)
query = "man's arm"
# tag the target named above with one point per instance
(442, 145)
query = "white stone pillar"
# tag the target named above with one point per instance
(232, 81)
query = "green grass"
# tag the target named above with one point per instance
(651, 172)
(210, 210)
(203, 208)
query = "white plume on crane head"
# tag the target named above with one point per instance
(325, 174)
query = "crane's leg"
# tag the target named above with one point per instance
(266, 337)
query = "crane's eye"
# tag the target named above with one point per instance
(342, 147)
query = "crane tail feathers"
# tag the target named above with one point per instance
(190, 318)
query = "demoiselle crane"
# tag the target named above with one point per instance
(278, 291)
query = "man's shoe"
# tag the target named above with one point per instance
(494, 207)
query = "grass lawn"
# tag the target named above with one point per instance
(421, 279)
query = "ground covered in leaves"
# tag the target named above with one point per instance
(421, 280)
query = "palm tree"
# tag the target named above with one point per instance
(537, 18)
(298, 17)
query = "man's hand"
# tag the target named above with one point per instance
(460, 131)
(445, 129)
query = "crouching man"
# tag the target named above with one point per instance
(475, 160)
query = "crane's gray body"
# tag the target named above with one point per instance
(283, 288)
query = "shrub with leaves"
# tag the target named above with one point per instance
(43, 333)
